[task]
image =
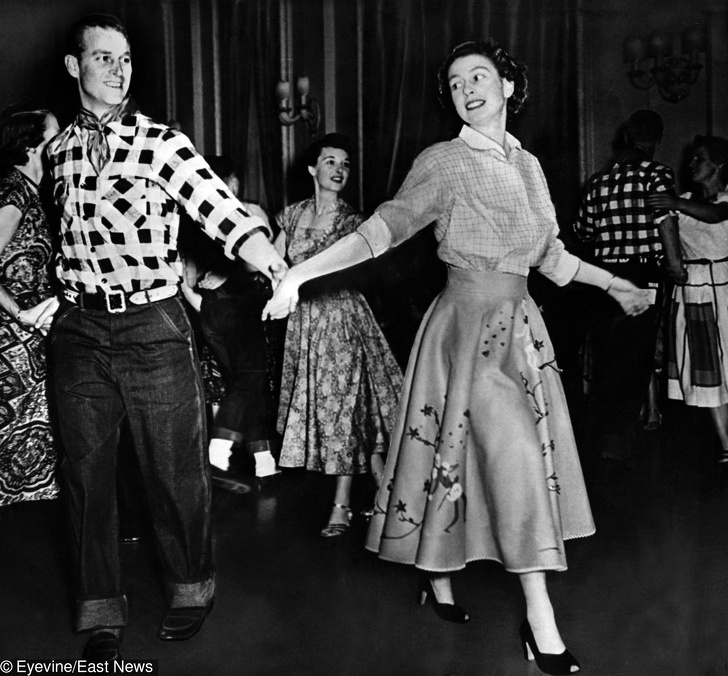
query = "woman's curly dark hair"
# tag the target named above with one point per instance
(19, 132)
(332, 140)
(507, 67)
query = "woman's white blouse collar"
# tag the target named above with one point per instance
(479, 141)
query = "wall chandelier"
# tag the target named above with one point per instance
(306, 110)
(651, 62)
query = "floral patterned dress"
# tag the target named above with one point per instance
(27, 453)
(483, 464)
(340, 383)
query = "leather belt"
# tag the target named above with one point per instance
(117, 301)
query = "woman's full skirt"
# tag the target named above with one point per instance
(340, 386)
(483, 462)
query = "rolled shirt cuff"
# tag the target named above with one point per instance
(376, 233)
(564, 271)
(242, 232)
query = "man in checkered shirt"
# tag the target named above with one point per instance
(631, 241)
(122, 343)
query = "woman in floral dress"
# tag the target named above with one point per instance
(483, 463)
(27, 454)
(340, 383)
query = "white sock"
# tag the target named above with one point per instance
(220, 451)
(265, 464)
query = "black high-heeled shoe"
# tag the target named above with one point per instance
(549, 663)
(445, 611)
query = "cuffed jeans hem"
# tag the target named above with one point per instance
(190, 594)
(224, 433)
(97, 613)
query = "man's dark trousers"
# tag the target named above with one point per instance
(623, 361)
(138, 365)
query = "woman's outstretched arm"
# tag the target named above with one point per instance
(632, 299)
(345, 253)
(707, 212)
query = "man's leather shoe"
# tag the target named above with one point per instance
(102, 646)
(182, 623)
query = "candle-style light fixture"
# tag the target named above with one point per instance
(306, 110)
(651, 62)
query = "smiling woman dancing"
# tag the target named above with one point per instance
(482, 426)
(341, 383)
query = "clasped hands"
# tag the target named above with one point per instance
(284, 301)
(632, 299)
(285, 293)
(40, 317)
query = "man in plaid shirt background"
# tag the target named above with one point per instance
(121, 339)
(633, 242)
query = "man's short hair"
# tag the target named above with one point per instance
(644, 126)
(75, 38)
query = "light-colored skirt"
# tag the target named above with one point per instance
(697, 340)
(483, 462)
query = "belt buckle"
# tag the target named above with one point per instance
(115, 302)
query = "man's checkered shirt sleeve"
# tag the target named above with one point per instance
(119, 229)
(189, 181)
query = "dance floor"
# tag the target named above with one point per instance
(648, 594)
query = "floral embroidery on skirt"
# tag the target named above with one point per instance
(483, 463)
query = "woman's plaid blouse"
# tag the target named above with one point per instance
(491, 206)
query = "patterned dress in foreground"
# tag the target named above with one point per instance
(341, 383)
(27, 453)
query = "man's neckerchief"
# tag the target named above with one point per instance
(98, 146)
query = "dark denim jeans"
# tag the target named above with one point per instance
(139, 366)
(623, 362)
(232, 325)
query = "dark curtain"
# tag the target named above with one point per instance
(250, 63)
(405, 42)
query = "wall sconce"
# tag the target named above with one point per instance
(307, 110)
(673, 75)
